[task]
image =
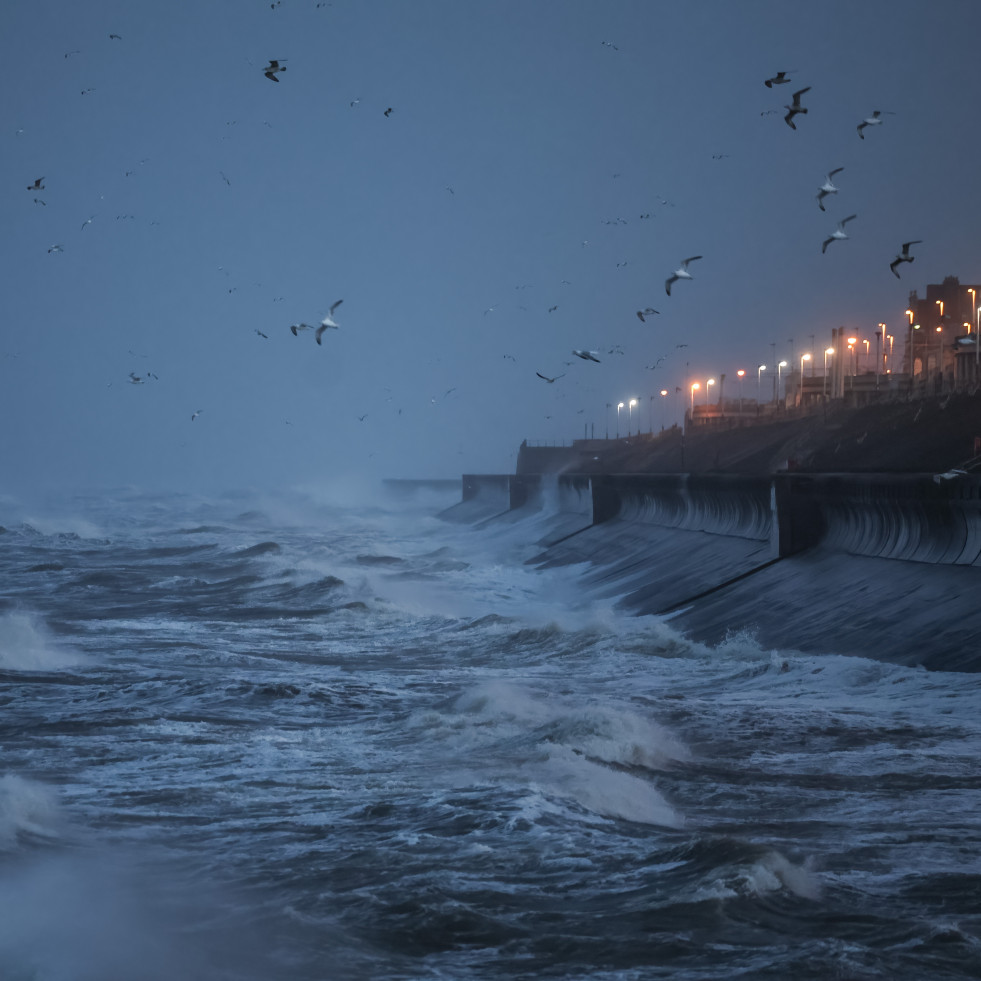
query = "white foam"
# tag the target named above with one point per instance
(610, 793)
(26, 645)
(26, 808)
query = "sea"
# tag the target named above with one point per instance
(328, 734)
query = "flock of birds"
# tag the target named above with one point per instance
(827, 188)
(277, 66)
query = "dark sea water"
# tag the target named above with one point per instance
(309, 738)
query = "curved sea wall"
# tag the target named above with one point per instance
(884, 566)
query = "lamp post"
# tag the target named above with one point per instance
(852, 341)
(940, 355)
(887, 358)
(803, 358)
(619, 407)
(695, 386)
(630, 416)
(827, 351)
(759, 384)
(664, 395)
(974, 324)
(780, 364)
(740, 374)
(708, 385)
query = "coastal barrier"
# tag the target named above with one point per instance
(879, 565)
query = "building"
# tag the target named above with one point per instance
(943, 341)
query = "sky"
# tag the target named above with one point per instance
(545, 166)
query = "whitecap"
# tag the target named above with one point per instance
(26, 645)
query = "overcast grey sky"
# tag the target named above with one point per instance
(544, 167)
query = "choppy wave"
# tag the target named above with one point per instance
(314, 739)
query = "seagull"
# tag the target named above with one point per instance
(196, 414)
(260, 333)
(327, 321)
(388, 111)
(873, 120)
(135, 379)
(680, 273)
(586, 355)
(549, 380)
(904, 256)
(646, 312)
(296, 328)
(88, 221)
(838, 233)
(56, 248)
(270, 70)
(115, 37)
(38, 185)
(796, 108)
(827, 187)
(779, 79)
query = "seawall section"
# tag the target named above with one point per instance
(877, 565)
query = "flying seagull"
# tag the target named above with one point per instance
(874, 120)
(388, 111)
(828, 187)
(270, 70)
(646, 312)
(38, 185)
(88, 221)
(779, 79)
(135, 379)
(549, 380)
(56, 248)
(328, 321)
(260, 333)
(296, 328)
(680, 273)
(904, 256)
(196, 414)
(838, 233)
(796, 108)
(586, 355)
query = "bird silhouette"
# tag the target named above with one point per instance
(680, 273)
(828, 187)
(904, 256)
(779, 79)
(874, 120)
(838, 234)
(796, 108)
(272, 68)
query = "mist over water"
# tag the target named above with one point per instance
(325, 734)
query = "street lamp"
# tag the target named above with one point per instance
(852, 341)
(664, 395)
(781, 364)
(827, 352)
(740, 374)
(619, 407)
(708, 385)
(630, 415)
(940, 354)
(803, 358)
(759, 383)
(695, 386)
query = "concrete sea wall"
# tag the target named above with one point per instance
(882, 566)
